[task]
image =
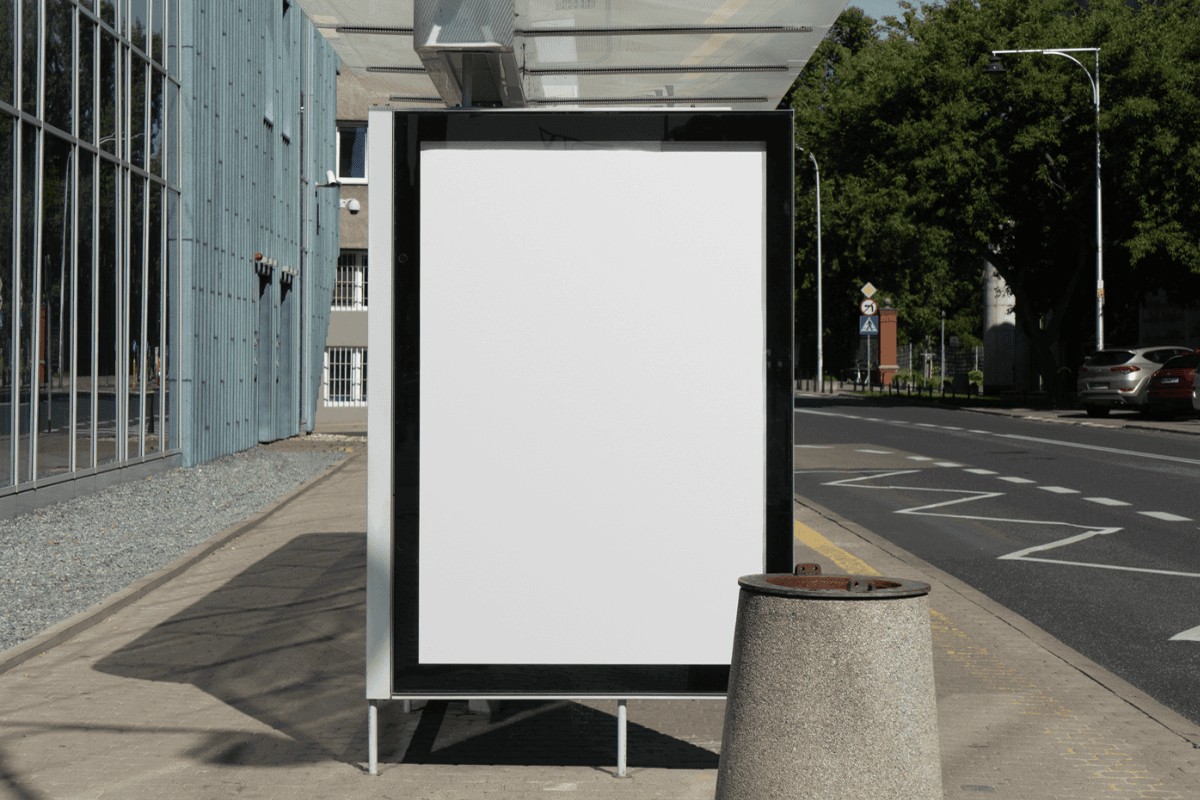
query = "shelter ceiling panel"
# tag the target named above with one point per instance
(699, 50)
(673, 13)
(667, 87)
(362, 50)
(359, 13)
(391, 84)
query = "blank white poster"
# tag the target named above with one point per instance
(592, 402)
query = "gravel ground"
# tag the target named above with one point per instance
(66, 557)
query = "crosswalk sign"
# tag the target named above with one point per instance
(868, 326)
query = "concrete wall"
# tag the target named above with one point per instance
(999, 332)
(349, 328)
(353, 226)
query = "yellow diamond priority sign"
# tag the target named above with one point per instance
(868, 290)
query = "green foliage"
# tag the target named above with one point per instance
(929, 166)
(975, 376)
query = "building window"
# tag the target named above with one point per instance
(350, 288)
(345, 376)
(352, 154)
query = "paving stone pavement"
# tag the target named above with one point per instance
(243, 676)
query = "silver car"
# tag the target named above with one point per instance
(1120, 377)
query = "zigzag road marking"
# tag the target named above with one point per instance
(1190, 635)
(1019, 555)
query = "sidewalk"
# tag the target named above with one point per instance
(243, 676)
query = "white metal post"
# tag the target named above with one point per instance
(942, 377)
(373, 737)
(621, 740)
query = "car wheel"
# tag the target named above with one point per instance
(1097, 411)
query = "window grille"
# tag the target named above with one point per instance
(350, 287)
(345, 376)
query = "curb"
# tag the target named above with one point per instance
(73, 626)
(1172, 720)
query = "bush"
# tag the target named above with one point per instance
(975, 376)
(917, 379)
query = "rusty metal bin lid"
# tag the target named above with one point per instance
(833, 587)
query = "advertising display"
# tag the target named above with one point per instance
(580, 406)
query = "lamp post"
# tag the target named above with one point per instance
(820, 324)
(996, 67)
(942, 378)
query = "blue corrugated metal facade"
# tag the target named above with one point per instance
(259, 238)
(148, 152)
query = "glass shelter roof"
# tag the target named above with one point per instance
(741, 54)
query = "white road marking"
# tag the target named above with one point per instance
(1111, 566)
(1107, 501)
(1023, 555)
(919, 458)
(1059, 442)
(979, 471)
(1190, 635)
(950, 428)
(1165, 517)
(968, 496)
(946, 464)
(1017, 480)
(1058, 489)
(1019, 555)
(877, 452)
(1118, 451)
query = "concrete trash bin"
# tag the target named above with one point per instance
(830, 691)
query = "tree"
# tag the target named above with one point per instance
(929, 167)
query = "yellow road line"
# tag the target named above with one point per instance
(851, 564)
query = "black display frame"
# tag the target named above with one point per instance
(412, 133)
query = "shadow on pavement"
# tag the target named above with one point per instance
(531, 733)
(12, 786)
(283, 643)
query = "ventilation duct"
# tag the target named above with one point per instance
(467, 49)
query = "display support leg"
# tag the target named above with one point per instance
(408, 706)
(621, 740)
(373, 738)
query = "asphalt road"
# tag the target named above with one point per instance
(1090, 531)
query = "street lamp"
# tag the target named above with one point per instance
(820, 324)
(996, 67)
(942, 378)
